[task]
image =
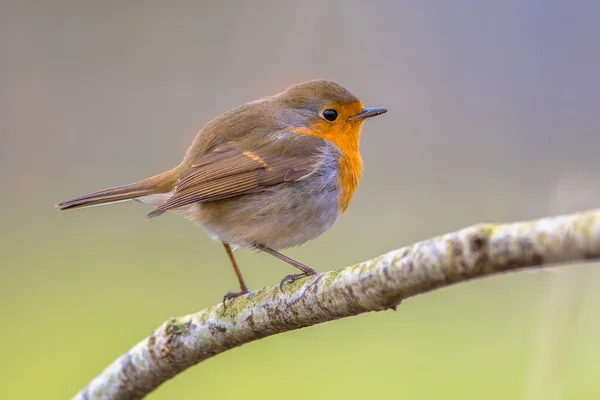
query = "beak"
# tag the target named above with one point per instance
(368, 113)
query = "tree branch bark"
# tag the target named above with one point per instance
(374, 285)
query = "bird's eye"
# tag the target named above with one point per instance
(330, 115)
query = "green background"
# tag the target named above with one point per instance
(493, 117)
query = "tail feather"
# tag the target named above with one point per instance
(112, 195)
(157, 184)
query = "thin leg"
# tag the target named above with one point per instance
(243, 287)
(306, 271)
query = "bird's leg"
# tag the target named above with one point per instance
(243, 287)
(306, 271)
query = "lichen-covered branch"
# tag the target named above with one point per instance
(375, 285)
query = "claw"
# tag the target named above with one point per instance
(294, 277)
(232, 295)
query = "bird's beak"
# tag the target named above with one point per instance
(368, 113)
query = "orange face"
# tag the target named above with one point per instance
(336, 126)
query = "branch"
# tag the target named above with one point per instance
(374, 285)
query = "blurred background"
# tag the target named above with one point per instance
(493, 116)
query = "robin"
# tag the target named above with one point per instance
(267, 175)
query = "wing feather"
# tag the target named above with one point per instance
(228, 172)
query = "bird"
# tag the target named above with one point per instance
(268, 175)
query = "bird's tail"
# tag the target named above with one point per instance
(162, 183)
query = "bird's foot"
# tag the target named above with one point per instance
(233, 295)
(294, 277)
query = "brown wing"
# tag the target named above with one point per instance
(229, 172)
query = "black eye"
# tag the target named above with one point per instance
(330, 115)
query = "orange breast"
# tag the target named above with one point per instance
(347, 137)
(350, 174)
